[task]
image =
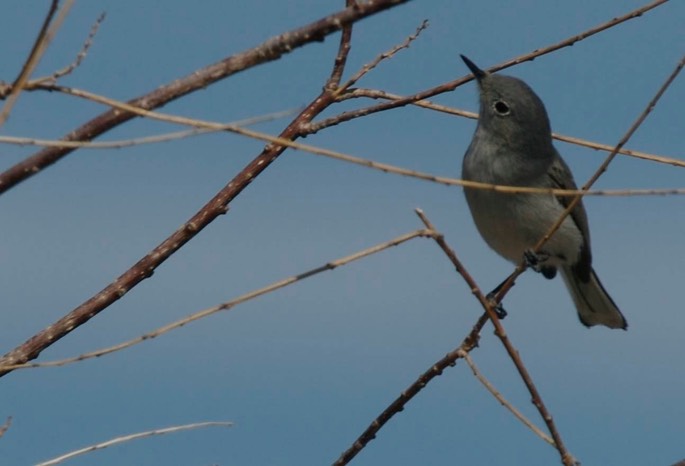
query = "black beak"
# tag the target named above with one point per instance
(477, 72)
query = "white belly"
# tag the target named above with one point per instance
(514, 223)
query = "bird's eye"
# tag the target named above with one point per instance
(501, 107)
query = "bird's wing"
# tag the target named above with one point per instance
(560, 176)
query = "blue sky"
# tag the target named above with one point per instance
(302, 371)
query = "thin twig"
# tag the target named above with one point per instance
(383, 56)
(136, 436)
(229, 304)
(5, 426)
(603, 167)
(450, 86)
(378, 94)
(269, 50)
(82, 53)
(47, 32)
(503, 401)
(157, 138)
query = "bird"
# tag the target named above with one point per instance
(512, 145)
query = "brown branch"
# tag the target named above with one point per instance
(566, 458)
(503, 401)
(32, 60)
(82, 53)
(216, 206)
(343, 51)
(202, 126)
(450, 86)
(384, 167)
(449, 360)
(383, 56)
(334, 264)
(144, 268)
(239, 128)
(436, 369)
(378, 94)
(269, 50)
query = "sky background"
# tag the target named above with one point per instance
(303, 371)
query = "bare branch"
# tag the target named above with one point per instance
(128, 438)
(269, 50)
(489, 306)
(436, 369)
(157, 138)
(82, 53)
(343, 51)
(378, 94)
(450, 86)
(383, 56)
(5, 426)
(47, 32)
(215, 207)
(229, 304)
(449, 360)
(503, 401)
(213, 126)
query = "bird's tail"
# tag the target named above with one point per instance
(594, 305)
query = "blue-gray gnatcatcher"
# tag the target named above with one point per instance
(512, 146)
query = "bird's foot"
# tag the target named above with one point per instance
(536, 261)
(497, 307)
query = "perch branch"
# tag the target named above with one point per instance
(378, 94)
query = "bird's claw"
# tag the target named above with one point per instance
(535, 260)
(497, 307)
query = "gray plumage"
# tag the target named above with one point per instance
(512, 145)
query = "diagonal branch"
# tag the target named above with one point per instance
(436, 369)
(39, 46)
(81, 54)
(269, 50)
(145, 267)
(498, 396)
(450, 359)
(566, 458)
(343, 51)
(384, 167)
(383, 56)
(5, 426)
(331, 265)
(450, 86)
(136, 436)
(216, 206)
(378, 94)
